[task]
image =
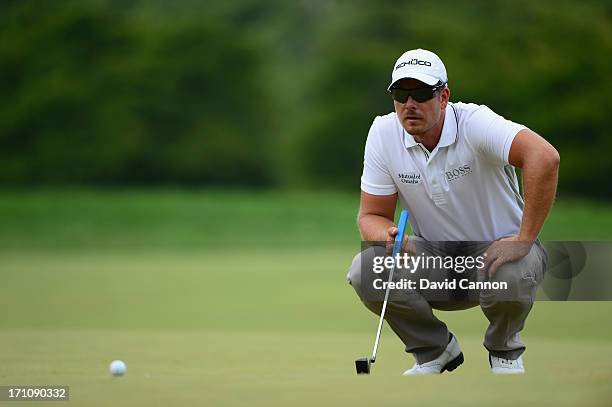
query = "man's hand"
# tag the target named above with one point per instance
(408, 245)
(504, 251)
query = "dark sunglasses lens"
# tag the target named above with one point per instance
(420, 95)
(400, 95)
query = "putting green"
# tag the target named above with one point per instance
(260, 328)
(280, 369)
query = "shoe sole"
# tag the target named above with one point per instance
(453, 364)
(498, 372)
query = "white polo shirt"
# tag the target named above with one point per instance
(464, 189)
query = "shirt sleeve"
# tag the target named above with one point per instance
(492, 135)
(376, 178)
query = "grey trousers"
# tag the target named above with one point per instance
(409, 311)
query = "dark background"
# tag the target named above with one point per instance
(281, 94)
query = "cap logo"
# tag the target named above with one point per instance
(413, 61)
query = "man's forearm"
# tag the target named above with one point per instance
(539, 188)
(373, 228)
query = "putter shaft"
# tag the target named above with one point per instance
(397, 247)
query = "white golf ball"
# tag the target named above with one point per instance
(117, 368)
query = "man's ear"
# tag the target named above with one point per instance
(444, 97)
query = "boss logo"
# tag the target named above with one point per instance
(458, 172)
(413, 61)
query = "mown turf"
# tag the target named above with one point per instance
(278, 368)
(260, 328)
(85, 219)
(288, 290)
(240, 299)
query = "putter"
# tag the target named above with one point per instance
(364, 365)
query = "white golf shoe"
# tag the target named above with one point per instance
(449, 360)
(506, 366)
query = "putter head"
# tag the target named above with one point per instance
(363, 365)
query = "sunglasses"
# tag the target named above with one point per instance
(419, 94)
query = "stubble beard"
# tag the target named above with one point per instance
(420, 132)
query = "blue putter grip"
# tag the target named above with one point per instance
(401, 228)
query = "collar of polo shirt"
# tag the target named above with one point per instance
(449, 130)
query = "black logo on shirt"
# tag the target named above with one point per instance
(458, 172)
(409, 178)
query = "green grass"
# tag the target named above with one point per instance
(175, 219)
(279, 368)
(83, 219)
(152, 278)
(267, 329)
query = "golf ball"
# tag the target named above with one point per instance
(117, 368)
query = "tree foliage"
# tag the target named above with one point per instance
(281, 93)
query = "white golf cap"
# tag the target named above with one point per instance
(421, 65)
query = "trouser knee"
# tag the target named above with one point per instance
(362, 266)
(360, 274)
(518, 281)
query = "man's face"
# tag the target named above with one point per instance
(420, 118)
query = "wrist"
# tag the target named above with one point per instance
(527, 237)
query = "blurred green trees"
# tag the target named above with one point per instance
(281, 93)
(103, 92)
